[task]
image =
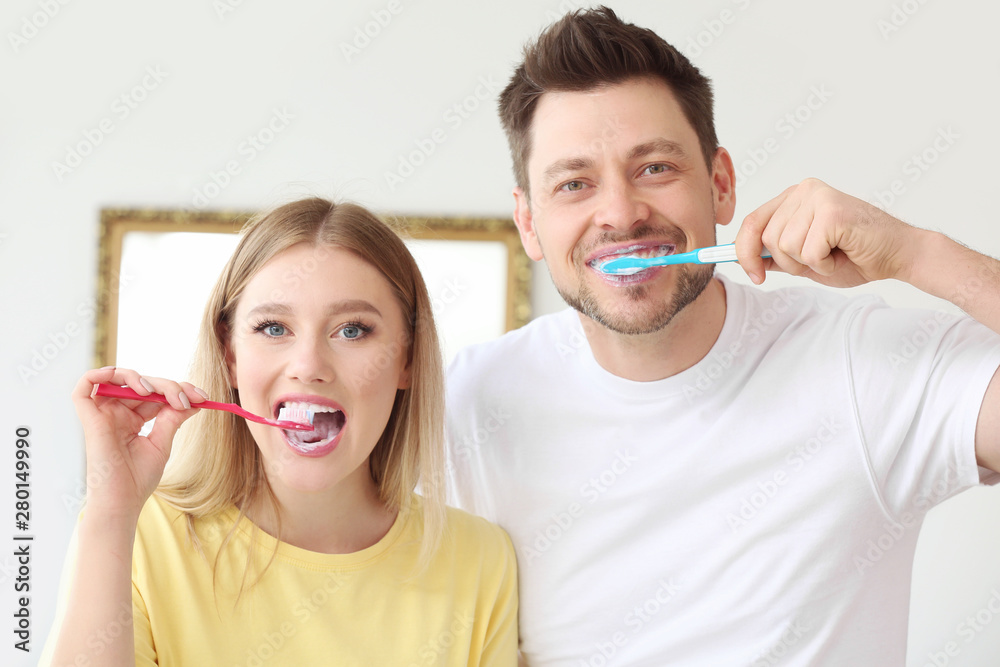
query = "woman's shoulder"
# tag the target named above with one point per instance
(160, 517)
(470, 532)
(160, 514)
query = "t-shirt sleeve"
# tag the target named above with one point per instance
(145, 652)
(500, 645)
(918, 379)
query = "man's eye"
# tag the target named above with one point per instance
(656, 168)
(573, 186)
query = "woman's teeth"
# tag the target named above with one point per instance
(327, 424)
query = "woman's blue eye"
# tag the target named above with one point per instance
(351, 331)
(271, 329)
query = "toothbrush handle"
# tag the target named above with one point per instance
(722, 253)
(114, 391)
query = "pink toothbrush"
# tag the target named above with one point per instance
(292, 419)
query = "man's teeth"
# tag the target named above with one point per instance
(636, 251)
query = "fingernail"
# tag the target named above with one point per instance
(148, 387)
(184, 401)
(106, 368)
(755, 277)
(202, 393)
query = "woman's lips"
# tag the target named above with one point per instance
(328, 419)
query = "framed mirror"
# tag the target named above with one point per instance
(157, 267)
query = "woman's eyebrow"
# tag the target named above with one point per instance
(335, 308)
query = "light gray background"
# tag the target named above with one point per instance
(885, 79)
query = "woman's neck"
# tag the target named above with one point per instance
(342, 520)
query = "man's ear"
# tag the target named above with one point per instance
(723, 186)
(526, 225)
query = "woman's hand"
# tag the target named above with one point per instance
(123, 468)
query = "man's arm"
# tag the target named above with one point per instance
(815, 231)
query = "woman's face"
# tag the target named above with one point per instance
(319, 328)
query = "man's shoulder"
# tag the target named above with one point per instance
(795, 306)
(538, 337)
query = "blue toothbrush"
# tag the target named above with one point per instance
(627, 265)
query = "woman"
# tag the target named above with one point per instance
(264, 545)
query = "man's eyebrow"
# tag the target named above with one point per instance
(657, 146)
(336, 308)
(654, 147)
(571, 164)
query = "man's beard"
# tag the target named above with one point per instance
(692, 279)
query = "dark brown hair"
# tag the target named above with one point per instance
(587, 49)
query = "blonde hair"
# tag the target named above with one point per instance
(217, 464)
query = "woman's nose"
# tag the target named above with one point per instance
(311, 360)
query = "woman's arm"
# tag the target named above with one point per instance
(123, 469)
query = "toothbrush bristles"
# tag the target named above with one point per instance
(295, 415)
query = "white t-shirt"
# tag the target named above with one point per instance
(761, 507)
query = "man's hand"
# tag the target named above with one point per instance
(820, 233)
(817, 232)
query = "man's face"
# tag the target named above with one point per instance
(619, 170)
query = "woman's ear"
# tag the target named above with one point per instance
(405, 375)
(223, 333)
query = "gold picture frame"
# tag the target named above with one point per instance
(116, 224)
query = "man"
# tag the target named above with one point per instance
(692, 471)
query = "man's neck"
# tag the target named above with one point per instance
(684, 342)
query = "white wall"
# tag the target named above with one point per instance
(225, 74)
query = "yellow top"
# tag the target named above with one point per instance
(322, 609)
